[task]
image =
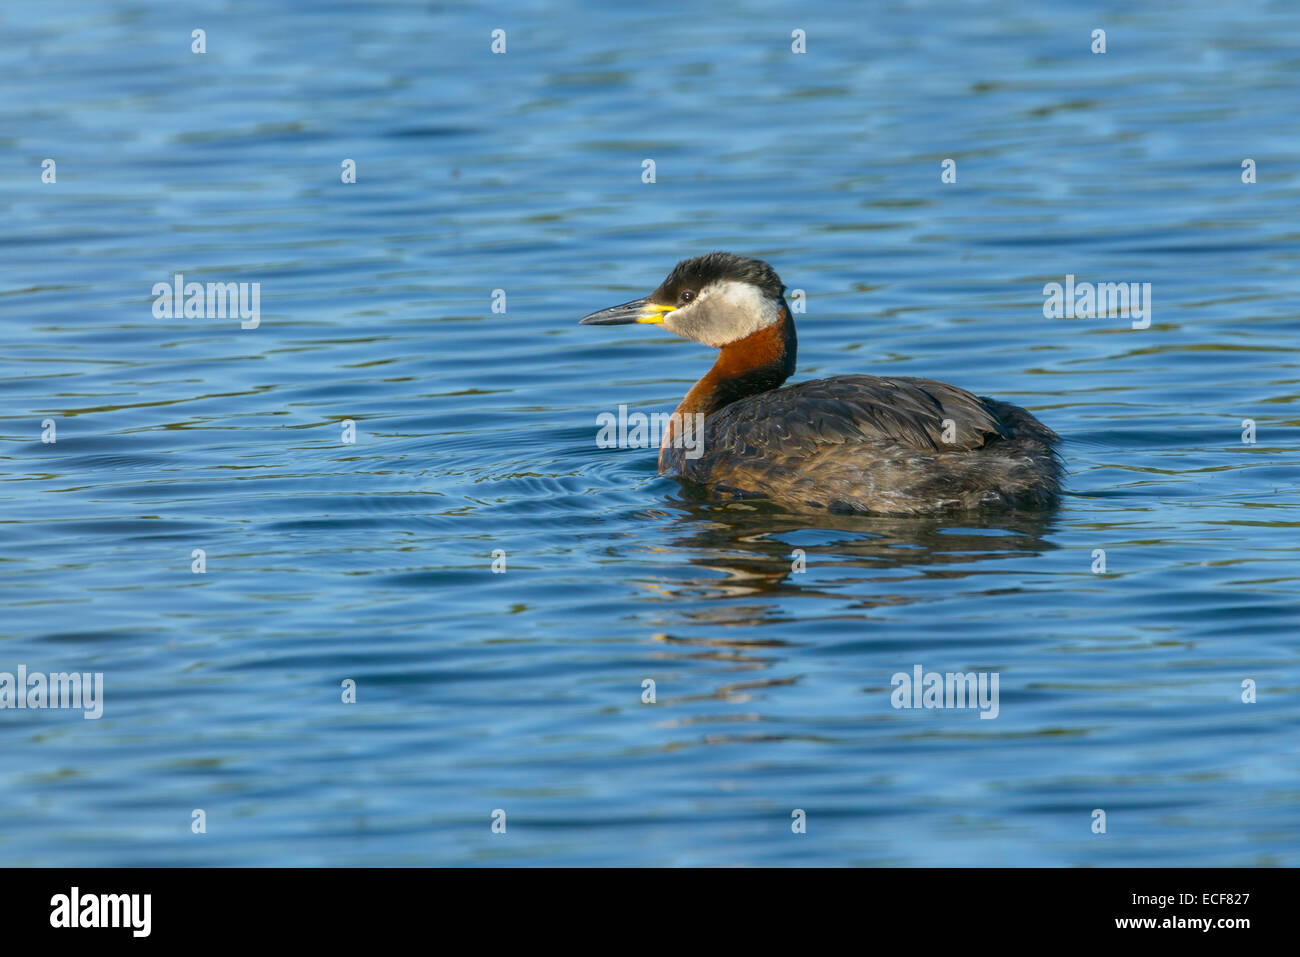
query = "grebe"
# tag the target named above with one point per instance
(853, 443)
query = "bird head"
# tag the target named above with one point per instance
(715, 299)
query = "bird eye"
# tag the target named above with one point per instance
(686, 296)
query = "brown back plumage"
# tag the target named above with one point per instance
(865, 443)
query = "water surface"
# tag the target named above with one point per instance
(475, 432)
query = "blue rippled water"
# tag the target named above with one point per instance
(521, 692)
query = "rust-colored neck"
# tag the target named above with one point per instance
(757, 363)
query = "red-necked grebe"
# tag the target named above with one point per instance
(850, 443)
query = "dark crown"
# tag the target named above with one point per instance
(698, 272)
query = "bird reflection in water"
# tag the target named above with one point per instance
(734, 567)
(747, 550)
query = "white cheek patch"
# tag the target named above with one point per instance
(725, 312)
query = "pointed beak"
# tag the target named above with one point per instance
(638, 310)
